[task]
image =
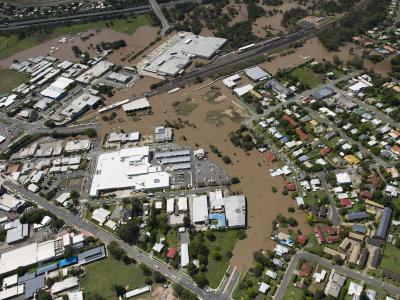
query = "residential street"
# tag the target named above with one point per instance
(392, 290)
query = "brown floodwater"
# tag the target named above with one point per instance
(256, 182)
(135, 42)
(312, 48)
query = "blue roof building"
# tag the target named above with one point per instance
(357, 216)
(323, 93)
(384, 224)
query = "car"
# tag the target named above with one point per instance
(157, 267)
(174, 277)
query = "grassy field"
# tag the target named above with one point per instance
(11, 44)
(306, 76)
(293, 293)
(102, 275)
(185, 108)
(391, 257)
(225, 241)
(10, 79)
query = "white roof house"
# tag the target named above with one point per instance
(230, 81)
(354, 289)
(271, 274)
(77, 145)
(100, 215)
(170, 205)
(343, 178)
(182, 204)
(184, 254)
(235, 211)
(200, 209)
(63, 197)
(127, 169)
(263, 287)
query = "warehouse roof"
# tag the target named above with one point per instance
(256, 74)
(137, 104)
(235, 210)
(200, 209)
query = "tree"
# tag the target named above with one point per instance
(338, 260)
(42, 295)
(119, 290)
(226, 159)
(158, 278)
(49, 123)
(145, 270)
(192, 269)
(74, 194)
(95, 296)
(129, 232)
(183, 293)
(90, 132)
(210, 235)
(292, 221)
(201, 280)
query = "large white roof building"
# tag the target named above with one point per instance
(200, 209)
(26, 256)
(127, 169)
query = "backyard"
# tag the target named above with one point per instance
(101, 276)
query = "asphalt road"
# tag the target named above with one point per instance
(157, 10)
(172, 274)
(84, 16)
(392, 290)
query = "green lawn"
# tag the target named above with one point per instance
(292, 293)
(102, 275)
(225, 241)
(185, 107)
(306, 76)
(10, 79)
(11, 44)
(391, 258)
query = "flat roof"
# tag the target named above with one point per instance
(127, 168)
(137, 104)
(200, 209)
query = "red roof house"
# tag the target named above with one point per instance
(302, 135)
(270, 156)
(290, 186)
(346, 202)
(290, 120)
(396, 150)
(171, 253)
(305, 269)
(302, 240)
(325, 151)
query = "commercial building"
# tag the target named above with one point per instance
(243, 90)
(175, 159)
(77, 146)
(278, 88)
(200, 209)
(58, 88)
(173, 56)
(135, 105)
(323, 93)
(16, 232)
(235, 211)
(256, 74)
(119, 78)
(116, 137)
(127, 169)
(80, 105)
(184, 255)
(28, 255)
(94, 72)
(163, 134)
(9, 203)
(64, 285)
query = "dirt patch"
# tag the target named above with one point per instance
(185, 107)
(72, 184)
(214, 95)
